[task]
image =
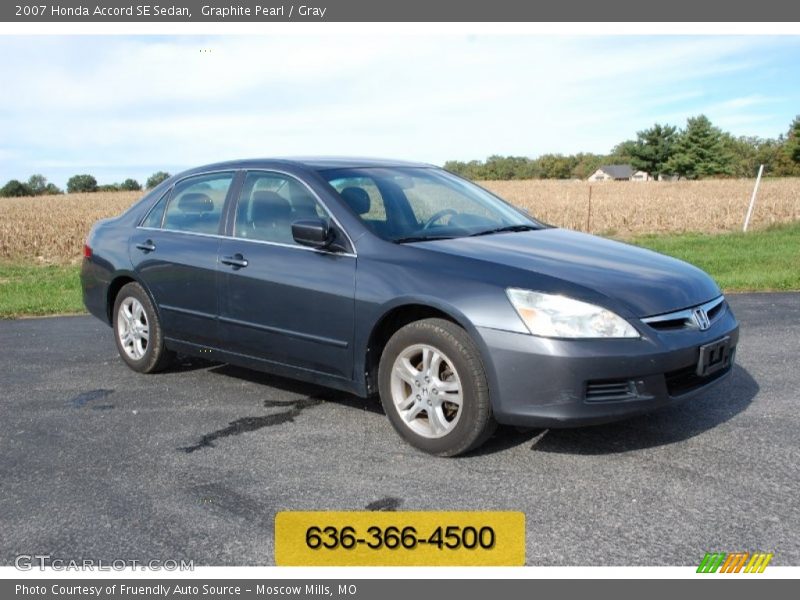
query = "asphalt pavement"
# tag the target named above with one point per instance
(97, 461)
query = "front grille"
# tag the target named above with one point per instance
(610, 391)
(686, 380)
(684, 319)
(715, 311)
(672, 324)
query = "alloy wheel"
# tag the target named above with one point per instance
(132, 328)
(426, 391)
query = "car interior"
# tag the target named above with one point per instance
(268, 214)
(196, 211)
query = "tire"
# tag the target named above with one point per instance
(137, 331)
(425, 411)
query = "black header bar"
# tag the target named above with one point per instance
(465, 11)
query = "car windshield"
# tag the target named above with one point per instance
(409, 204)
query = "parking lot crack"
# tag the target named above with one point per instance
(248, 424)
(387, 504)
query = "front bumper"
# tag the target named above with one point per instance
(541, 382)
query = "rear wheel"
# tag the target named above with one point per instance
(137, 331)
(433, 388)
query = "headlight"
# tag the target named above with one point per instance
(549, 315)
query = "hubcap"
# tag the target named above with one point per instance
(426, 391)
(132, 328)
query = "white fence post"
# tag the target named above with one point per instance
(753, 199)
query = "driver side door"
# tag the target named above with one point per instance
(281, 302)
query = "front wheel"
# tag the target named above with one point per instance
(137, 331)
(433, 388)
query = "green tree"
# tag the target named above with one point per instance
(792, 144)
(156, 178)
(652, 149)
(15, 189)
(700, 151)
(751, 152)
(781, 160)
(459, 167)
(37, 184)
(586, 164)
(621, 153)
(555, 166)
(81, 183)
(130, 185)
(505, 167)
(474, 169)
(745, 154)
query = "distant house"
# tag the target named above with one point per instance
(618, 173)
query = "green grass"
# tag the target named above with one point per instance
(756, 261)
(765, 260)
(29, 289)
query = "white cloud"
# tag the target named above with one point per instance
(135, 102)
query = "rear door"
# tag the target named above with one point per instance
(174, 252)
(279, 301)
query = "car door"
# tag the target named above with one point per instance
(174, 253)
(281, 302)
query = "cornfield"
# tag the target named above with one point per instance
(51, 229)
(624, 208)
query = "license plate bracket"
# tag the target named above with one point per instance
(714, 357)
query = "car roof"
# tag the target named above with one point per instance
(317, 163)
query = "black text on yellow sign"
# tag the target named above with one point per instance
(400, 538)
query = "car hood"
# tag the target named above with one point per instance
(648, 283)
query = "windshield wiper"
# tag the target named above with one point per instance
(504, 229)
(421, 238)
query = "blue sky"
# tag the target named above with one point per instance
(120, 107)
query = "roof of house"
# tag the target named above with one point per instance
(618, 171)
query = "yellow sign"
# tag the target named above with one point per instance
(399, 538)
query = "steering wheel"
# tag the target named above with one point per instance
(438, 216)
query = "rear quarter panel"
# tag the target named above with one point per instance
(108, 239)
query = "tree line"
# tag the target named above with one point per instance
(697, 151)
(37, 185)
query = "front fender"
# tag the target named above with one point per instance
(426, 301)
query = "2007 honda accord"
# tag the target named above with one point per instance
(457, 309)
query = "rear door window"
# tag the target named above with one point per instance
(156, 214)
(197, 202)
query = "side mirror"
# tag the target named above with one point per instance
(315, 233)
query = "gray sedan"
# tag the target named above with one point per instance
(404, 281)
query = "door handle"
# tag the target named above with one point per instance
(147, 246)
(237, 261)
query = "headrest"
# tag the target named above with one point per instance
(195, 202)
(269, 206)
(357, 199)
